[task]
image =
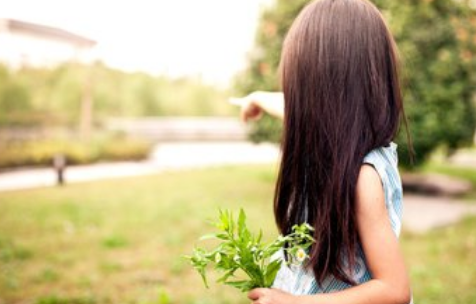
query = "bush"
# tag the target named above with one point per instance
(41, 153)
(266, 129)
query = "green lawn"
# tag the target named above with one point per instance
(121, 241)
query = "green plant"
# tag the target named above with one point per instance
(239, 249)
(33, 97)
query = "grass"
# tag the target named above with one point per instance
(121, 241)
(442, 264)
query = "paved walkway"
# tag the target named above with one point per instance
(173, 156)
(465, 158)
(421, 213)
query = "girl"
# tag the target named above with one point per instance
(342, 107)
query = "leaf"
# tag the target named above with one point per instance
(222, 236)
(241, 285)
(271, 272)
(308, 227)
(208, 236)
(270, 251)
(223, 223)
(241, 220)
(243, 233)
(260, 236)
(204, 276)
(227, 275)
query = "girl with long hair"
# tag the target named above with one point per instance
(342, 109)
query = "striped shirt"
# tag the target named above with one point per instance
(298, 281)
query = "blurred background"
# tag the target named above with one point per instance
(117, 143)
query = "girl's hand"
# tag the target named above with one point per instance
(255, 104)
(271, 296)
(250, 106)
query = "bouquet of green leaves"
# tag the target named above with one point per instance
(241, 257)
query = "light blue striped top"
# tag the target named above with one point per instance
(297, 280)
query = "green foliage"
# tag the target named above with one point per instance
(437, 40)
(41, 153)
(267, 128)
(14, 96)
(239, 249)
(118, 93)
(41, 96)
(264, 61)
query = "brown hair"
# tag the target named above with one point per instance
(342, 100)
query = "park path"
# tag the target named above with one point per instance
(465, 158)
(421, 213)
(168, 156)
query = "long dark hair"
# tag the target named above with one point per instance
(342, 100)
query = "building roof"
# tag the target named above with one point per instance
(47, 32)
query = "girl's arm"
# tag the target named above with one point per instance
(389, 284)
(253, 105)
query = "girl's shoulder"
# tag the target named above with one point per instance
(383, 157)
(385, 161)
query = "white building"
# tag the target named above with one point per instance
(28, 44)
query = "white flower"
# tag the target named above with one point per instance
(217, 258)
(253, 249)
(301, 255)
(236, 258)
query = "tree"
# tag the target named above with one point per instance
(14, 98)
(261, 73)
(437, 42)
(62, 96)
